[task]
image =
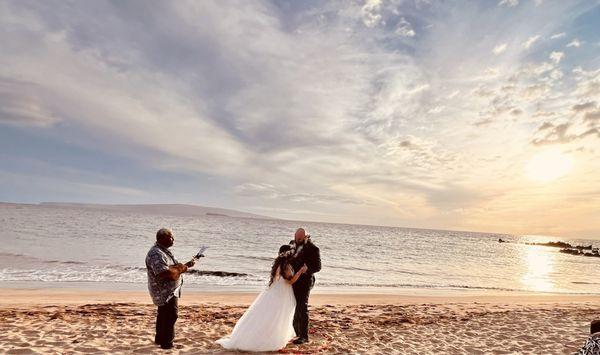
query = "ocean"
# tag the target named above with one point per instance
(48, 246)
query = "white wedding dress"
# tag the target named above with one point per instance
(267, 324)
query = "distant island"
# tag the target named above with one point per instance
(217, 214)
(162, 209)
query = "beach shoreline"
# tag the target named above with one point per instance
(65, 296)
(90, 321)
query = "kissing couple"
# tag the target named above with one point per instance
(281, 310)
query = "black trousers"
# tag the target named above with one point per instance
(165, 322)
(302, 292)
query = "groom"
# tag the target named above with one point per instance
(305, 253)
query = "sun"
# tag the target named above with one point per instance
(549, 165)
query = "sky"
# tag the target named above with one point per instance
(463, 115)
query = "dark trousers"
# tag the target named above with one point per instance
(302, 292)
(165, 323)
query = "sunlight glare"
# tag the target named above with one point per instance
(549, 165)
(538, 263)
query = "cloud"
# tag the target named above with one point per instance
(574, 43)
(516, 112)
(24, 103)
(591, 113)
(271, 192)
(501, 48)
(535, 91)
(583, 107)
(592, 117)
(72, 184)
(530, 41)
(588, 82)
(556, 57)
(558, 35)
(508, 3)
(560, 134)
(404, 28)
(544, 114)
(371, 13)
(436, 109)
(553, 134)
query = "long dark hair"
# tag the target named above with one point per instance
(281, 262)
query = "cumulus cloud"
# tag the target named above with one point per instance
(371, 13)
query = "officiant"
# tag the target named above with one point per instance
(164, 283)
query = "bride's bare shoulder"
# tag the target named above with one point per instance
(289, 271)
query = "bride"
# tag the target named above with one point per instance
(267, 324)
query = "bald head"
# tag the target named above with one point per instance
(300, 235)
(164, 237)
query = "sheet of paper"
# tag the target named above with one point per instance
(201, 251)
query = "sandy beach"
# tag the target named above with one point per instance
(83, 321)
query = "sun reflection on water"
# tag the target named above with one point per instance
(538, 264)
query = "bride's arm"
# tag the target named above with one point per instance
(297, 275)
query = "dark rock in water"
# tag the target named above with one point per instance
(202, 272)
(581, 247)
(577, 251)
(567, 248)
(562, 245)
(216, 273)
(500, 240)
(570, 251)
(553, 244)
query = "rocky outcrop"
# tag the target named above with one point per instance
(563, 245)
(575, 251)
